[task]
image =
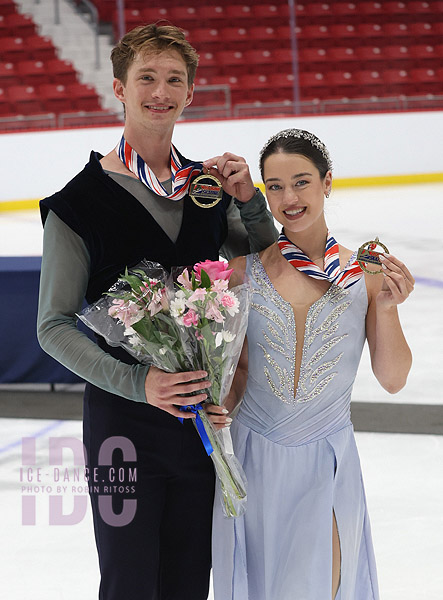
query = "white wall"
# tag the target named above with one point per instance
(34, 165)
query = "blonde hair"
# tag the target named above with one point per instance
(153, 38)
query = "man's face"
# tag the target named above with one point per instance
(156, 90)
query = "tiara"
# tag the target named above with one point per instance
(299, 133)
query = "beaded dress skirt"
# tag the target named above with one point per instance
(298, 451)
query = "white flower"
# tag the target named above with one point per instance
(178, 306)
(163, 350)
(228, 336)
(221, 336)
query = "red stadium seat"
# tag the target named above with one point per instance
(400, 52)
(315, 9)
(239, 14)
(84, 96)
(13, 49)
(426, 81)
(397, 30)
(424, 29)
(424, 52)
(262, 33)
(343, 31)
(260, 61)
(24, 100)
(234, 34)
(310, 57)
(61, 71)
(153, 14)
(342, 82)
(282, 80)
(369, 79)
(342, 57)
(270, 14)
(232, 62)
(395, 8)
(20, 25)
(182, 16)
(345, 9)
(205, 39)
(254, 82)
(310, 82)
(314, 32)
(55, 98)
(7, 7)
(8, 75)
(282, 57)
(214, 15)
(423, 8)
(229, 80)
(41, 48)
(396, 81)
(398, 56)
(208, 64)
(370, 8)
(5, 106)
(32, 72)
(369, 30)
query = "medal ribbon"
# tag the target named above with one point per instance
(194, 408)
(181, 176)
(344, 279)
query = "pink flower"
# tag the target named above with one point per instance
(198, 334)
(216, 269)
(199, 294)
(220, 285)
(190, 318)
(230, 302)
(212, 313)
(183, 278)
(127, 312)
(158, 302)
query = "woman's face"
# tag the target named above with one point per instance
(295, 191)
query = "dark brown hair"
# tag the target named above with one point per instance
(153, 38)
(298, 141)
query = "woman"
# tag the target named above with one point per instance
(306, 532)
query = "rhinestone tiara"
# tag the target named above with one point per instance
(299, 133)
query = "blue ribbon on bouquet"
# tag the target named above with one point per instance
(194, 408)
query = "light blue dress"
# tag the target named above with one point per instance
(299, 455)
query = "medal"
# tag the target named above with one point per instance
(206, 191)
(368, 255)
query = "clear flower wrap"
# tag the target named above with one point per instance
(184, 321)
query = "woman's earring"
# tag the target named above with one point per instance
(327, 194)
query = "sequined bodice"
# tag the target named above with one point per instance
(333, 341)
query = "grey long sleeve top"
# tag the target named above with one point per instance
(65, 274)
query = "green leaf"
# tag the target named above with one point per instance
(205, 279)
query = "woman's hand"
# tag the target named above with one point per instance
(398, 282)
(218, 415)
(233, 173)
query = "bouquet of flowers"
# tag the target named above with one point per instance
(184, 321)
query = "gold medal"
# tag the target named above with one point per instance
(368, 255)
(206, 191)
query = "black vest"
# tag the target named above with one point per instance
(119, 231)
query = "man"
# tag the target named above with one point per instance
(152, 529)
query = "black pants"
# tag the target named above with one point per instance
(152, 515)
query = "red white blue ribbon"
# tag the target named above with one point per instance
(181, 176)
(331, 269)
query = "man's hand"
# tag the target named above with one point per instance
(163, 390)
(234, 175)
